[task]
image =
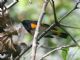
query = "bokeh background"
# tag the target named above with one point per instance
(31, 9)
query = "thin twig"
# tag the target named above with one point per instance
(58, 23)
(53, 25)
(75, 7)
(70, 27)
(56, 49)
(54, 11)
(70, 36)
(45, 47)
(34, 44)
(27, 48)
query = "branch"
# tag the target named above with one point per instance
(58, 23)
(53, 25)
(75, 7)
(70, 36)
(54, 11)
(46, 47)
(70, 27)
(56, 49)
(34, 44)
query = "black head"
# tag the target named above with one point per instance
(27, 24)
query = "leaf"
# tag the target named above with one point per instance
(65, 53)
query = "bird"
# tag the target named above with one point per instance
(31, 25)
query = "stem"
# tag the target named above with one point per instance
(56, 49)
(34, 44)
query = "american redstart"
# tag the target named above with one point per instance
(30, 26)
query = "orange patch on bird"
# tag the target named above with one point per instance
(33, 25)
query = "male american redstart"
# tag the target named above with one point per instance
(30, 26)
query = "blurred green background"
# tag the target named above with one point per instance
(25, 9)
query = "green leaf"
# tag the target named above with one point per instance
(65, 53)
